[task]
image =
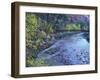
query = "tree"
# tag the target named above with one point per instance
(71, 27)
(31, 28)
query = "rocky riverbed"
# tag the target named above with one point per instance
(70, 50)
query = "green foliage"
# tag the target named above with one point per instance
(35, 34)
(45, 26)
(40, 62)
(32, 62)
(42, 34)
(73, 27)
(48, 28)
(31, 28)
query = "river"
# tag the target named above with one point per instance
(70, 50)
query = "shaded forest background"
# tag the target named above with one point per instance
(44, 29)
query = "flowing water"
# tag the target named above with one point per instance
(70, 50)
